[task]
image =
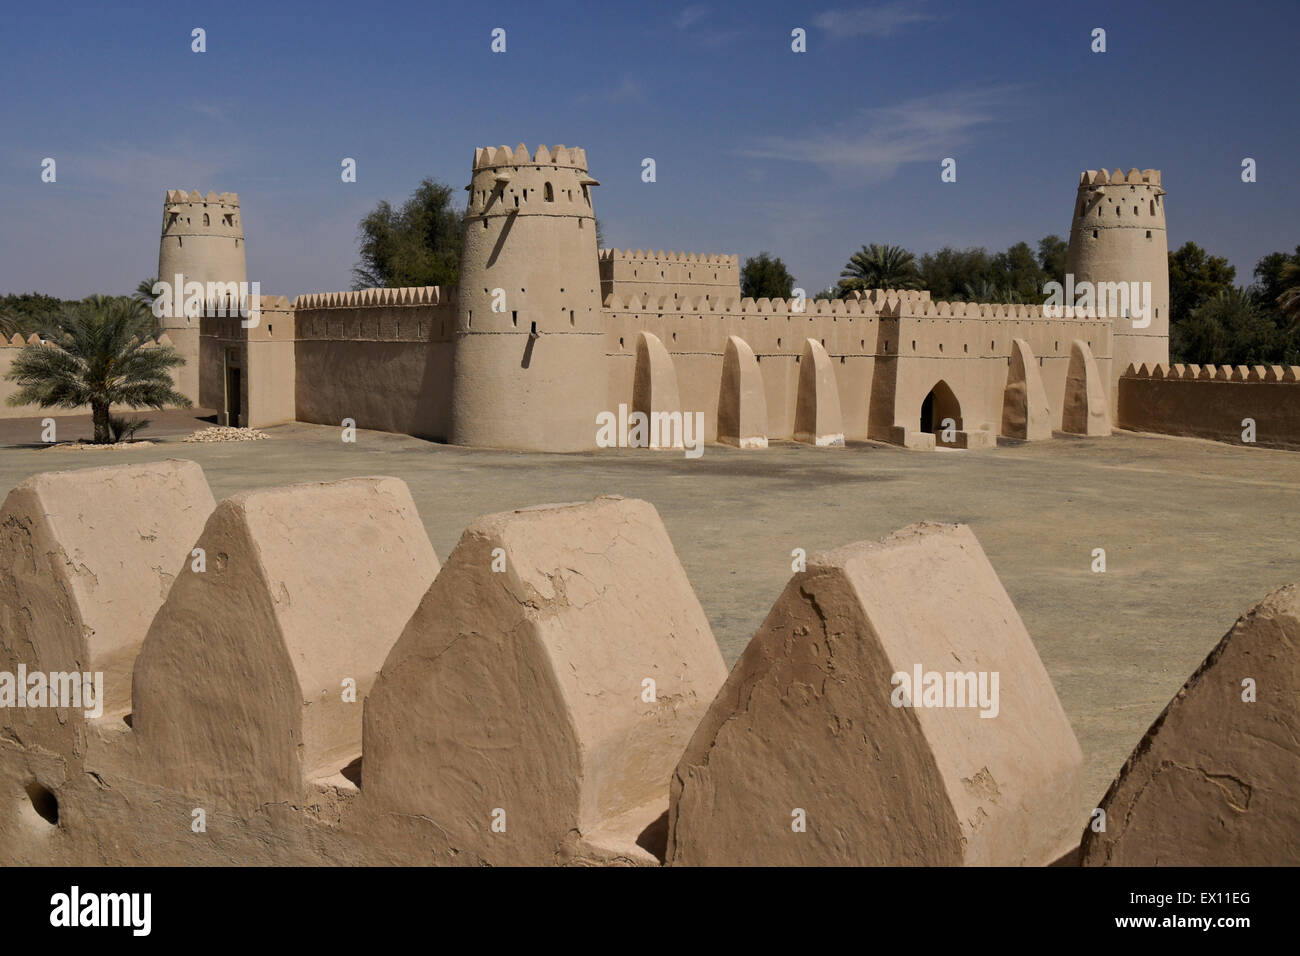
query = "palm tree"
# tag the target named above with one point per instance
(144, 291)
(8, 324)
(1289, 301)
(96, 356)
(982, 290)
(880, 267)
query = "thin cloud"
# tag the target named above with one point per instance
(877, 20)
(873, 148)
(689, 16)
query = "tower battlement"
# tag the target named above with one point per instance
(485, 157)
(509, 182)
(1100, 177)
(193, 214)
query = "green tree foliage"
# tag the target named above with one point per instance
(98, 359)
(28, 313)
(1276, 289)
(949, 272)
(880, 267)
(765, 277)
(416, 245)
(1052, 253)
(1195, 277)
(1017, 275)
(1227, 329)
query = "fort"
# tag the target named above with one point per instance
(546, 332)
(326, 688)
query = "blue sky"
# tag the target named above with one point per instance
(757, 148)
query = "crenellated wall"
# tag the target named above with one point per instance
(676, 275)
(1223, 403)
(553, 694)
(889, 350)
(382, 357)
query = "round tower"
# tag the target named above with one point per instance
(1118, 236)
(529, 369)
(202, 241)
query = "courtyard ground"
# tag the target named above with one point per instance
(1195, 533)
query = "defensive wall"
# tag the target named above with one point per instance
(1242, 404)
(889, 350)
(551, 693)
(383, 358)
(674, 275)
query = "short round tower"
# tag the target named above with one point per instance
(1118, 236)
(202, 241)
(529, 370)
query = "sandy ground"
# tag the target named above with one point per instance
(1195, 533)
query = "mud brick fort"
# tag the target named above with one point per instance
(545, 332)
(551, 692)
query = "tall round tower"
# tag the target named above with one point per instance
(1118, 236)
(529, 369)
(202, 241)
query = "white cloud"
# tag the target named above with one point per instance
(878, 20)
(689, 16)
(872, 148)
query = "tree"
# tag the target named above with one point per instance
(949, 272)
(1276, 289)
(1195, 277)
(417, 245)
(765, 277)
(1018, 274)
(1052, 254)
(1289, 301)
(1227, 329)
(144, 295)
(880, 267)
(27, 313)
(98, 359)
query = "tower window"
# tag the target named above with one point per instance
(1148, 233)
(514, 318)
(1094, 234)
(548, 193)
(206, 220)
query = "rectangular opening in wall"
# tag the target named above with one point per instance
(514, 319)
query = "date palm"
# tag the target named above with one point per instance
(880, 267)
(96, 356)
(1289, 300)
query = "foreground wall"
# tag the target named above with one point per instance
(1216, 402)
(531, 703)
